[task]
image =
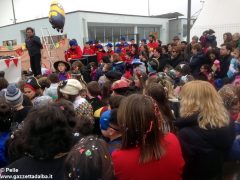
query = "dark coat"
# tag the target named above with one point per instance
(119, 66)
(203, 150)
(163, 61)
(33, 45)
(196, 62)
(31, 166)
(224, 62)
(85, 71)
(176, 61)
(188, 52)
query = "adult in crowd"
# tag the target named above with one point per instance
(188, 49)
(176, 56)
(204, 131)
(225, 59)
(163, 60)
(46, 137)
(34, 46)
(197, 60)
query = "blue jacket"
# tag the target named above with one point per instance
(119, 66)
(196, 62)
(235, 150)
(3, 138)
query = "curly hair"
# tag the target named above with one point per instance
(89, 159)
(46, 132)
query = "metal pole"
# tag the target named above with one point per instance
(14, 16)
(148, 7)
(188, 21)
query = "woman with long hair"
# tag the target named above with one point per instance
(147, 152)
(205, 134)
(159, 94)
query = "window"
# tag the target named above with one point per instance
(124, 32)
(108, 34)
(141, 32)
(148, 31)
(55, 39)
(130, 32)
(10, 43)
(91, 33)
(116, 33)
(100, 34)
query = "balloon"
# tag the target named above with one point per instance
(57, 16)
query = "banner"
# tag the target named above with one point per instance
(12, 69)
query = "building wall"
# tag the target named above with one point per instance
(76, 25)
(17, 31)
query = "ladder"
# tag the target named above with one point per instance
(49, 45)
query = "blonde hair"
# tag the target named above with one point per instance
(200, 97)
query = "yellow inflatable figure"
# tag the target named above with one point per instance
(57, 16)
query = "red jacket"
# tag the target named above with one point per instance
(111, 52)
(152, 46)
(94, 47)
(73, 53)
(100, 54)
(169, 167)
(88, 51)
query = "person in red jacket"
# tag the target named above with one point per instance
(74, 52)
(109, 49)
(152, 43)
(148, 152)
(95, 46)
(87, 49)
(100, 53)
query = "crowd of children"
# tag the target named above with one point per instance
(151, 111)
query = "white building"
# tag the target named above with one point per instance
(85, 25)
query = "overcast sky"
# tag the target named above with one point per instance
(31, 9)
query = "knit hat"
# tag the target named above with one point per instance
(118, 51)
(126, 44)
(104, 120)
(118, 45)
(73, 42)
(100, 46)
(32, 83)
(13, 96)
(70, 87)
(109, 45)
(41, 101)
